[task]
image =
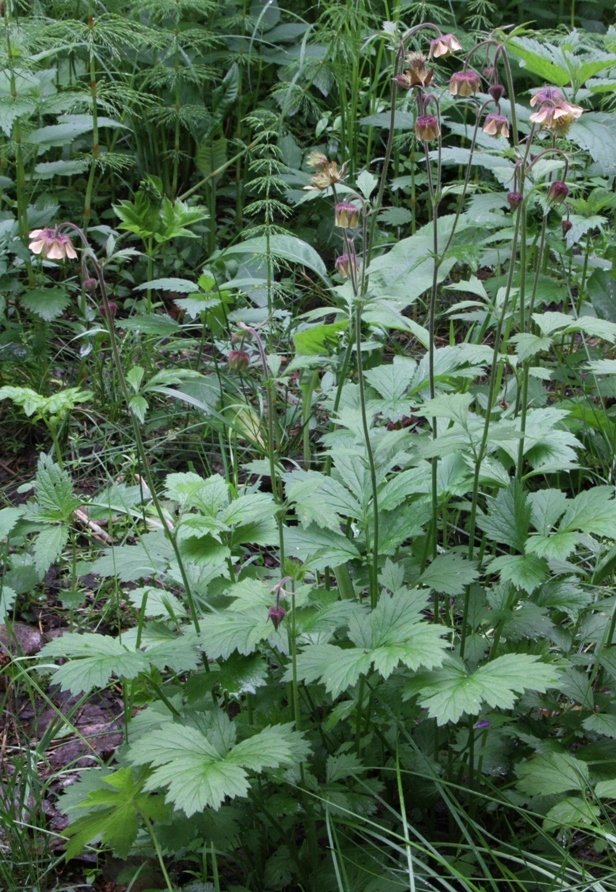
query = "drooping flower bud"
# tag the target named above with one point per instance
(427, 128)
(108, 311)
(464, 83)
(496, 125)
(557, 192)
(346, 215)
(345, 265)
(515, 199)
(444, 45)
(566, 226)
(496, 91)
(276, 614)
(239, 360)
(90, 284)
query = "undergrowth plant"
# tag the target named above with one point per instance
(366, 631)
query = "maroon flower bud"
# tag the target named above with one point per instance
(496, 91)
(276, 614)
(557, 192)
(90, 284)
(566, 226)
(427, 128)
(345, 265)
(515, 199)
(108, 311)
(489, 72)
(239, 360)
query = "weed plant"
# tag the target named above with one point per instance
(326, 388)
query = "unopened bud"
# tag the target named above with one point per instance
(557, 192)
(90, 284)
(109, 310)
(566, 226)
(515, 199)
(496, 91)
(276, 614)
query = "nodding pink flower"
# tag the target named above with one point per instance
(427, 128)
(546, 94)
(346, 215)
(557, 192)
(556, 116)
(444, 45)
(496, 125)
(51, 244)
(345, 265)
(496, 91)
(566, 226)
(464, 83)
(515, 199)
(239, 360)
(276, 614)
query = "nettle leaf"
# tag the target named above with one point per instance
(8, 596)
(198, 776)
(115, 806)
(93, 660)
(49, 545)
(8, 520)
(451, 691)
(54, 490)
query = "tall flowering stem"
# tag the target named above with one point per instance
(92, 269)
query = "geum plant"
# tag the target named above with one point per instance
(438, 634)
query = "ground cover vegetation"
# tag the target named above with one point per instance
(307, 395)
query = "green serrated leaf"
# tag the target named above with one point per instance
(449, 573)
(49, 545)
(450, 692)
(92, 661)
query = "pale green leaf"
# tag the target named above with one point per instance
(92, 661)
(549, 773)
(450, 692)
(449, 573)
